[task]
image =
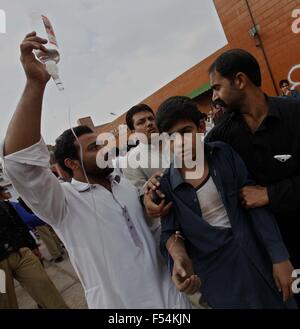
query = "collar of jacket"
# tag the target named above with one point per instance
(176, 178)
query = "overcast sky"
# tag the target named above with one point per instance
(114, 53)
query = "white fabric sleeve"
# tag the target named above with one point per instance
(30, 174)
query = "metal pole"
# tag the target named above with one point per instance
(262, 48)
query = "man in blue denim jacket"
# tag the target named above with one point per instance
(238, 254)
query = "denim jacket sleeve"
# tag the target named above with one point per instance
(169, 226)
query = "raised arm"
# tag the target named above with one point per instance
(25, 127)
(26, 157)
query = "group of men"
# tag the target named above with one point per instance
(228, 237)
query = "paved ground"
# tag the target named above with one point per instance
(64, 278)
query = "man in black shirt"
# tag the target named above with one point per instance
(265, 131)
(18, 261)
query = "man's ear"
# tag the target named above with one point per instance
(71, 164)
(202, 127)
(241, 80)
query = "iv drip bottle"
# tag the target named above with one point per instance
(44, 29)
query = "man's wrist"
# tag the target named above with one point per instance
(180, 255)
(34, 83)
(267, 200)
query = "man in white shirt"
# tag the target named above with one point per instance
(147, 158)
(97, 215)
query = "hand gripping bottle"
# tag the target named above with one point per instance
(51, 57)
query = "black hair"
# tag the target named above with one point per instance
(175, 109)
(134, 110)
(65, 146)
(282, 82)
(234, 61)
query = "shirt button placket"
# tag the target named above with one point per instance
(132, 229)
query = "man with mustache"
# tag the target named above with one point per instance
(265, 132)
(98, 215)
(208, 232)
